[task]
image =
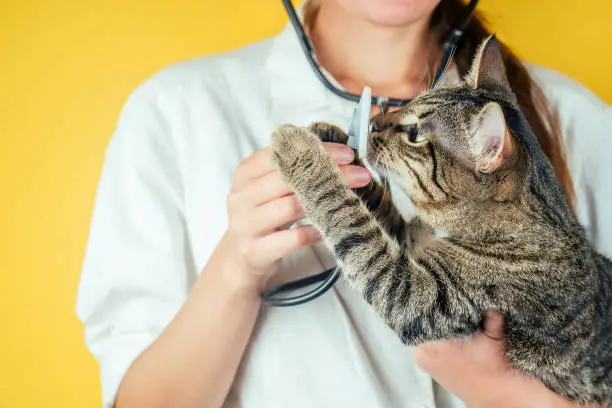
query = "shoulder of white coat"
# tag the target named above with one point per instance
(579, 108)
(560, 86)
(219, 74)
(242, 61)
(586, 128)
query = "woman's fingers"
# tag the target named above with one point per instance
(253, 167)
(342, 154)
(264, 190)
(274, 247)
(275, 214)
(356, 176)
(271, 187)
(276, 206)
(259, 164)
(259, 203)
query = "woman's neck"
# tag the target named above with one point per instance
(393, 61)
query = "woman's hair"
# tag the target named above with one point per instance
(540, 115)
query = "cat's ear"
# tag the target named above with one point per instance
(488, 69)
(451, 78)
(492, 144)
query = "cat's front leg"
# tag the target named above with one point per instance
(413, 291)
(374, 195)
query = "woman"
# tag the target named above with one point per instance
(185, 232)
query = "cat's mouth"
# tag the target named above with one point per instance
(381, 164)
(379, 156)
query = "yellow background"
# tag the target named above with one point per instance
(66, 68)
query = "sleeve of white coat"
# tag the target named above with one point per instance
(587, 121)
(597, 175)
(135, 274)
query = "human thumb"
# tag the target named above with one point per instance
(494, 325)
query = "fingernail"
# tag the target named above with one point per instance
(315, 235)
(362, 174)
(343, 154)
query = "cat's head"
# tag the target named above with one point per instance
(452, 145)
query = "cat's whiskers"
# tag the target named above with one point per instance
(378, 163)
(386, 169)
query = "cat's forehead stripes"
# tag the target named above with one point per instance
(468, 98)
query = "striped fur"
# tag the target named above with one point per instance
(501, 239)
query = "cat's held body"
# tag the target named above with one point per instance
(494, 230)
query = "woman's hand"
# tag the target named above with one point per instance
(259, 204)
(477, 371)
(194, 361)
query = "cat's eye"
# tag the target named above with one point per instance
(413, 131)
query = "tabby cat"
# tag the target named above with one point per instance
(494, 229)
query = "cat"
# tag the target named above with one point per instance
(494, 229)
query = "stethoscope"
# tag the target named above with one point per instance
(329, 277)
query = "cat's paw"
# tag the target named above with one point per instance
(292, 143)
(297, 153)
(328, 133)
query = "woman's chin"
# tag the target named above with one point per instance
(398, 13)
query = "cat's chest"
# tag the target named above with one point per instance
(403, 204)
